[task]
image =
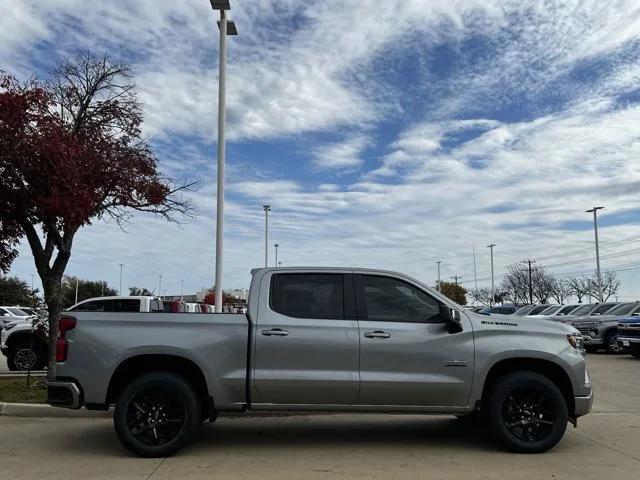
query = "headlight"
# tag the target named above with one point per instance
(576, 341)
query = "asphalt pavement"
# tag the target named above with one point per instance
(606, 444)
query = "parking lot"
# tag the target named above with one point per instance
(606, 444)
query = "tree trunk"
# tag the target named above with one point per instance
(52, 286)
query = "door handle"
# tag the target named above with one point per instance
(275, 332)
(377, 334)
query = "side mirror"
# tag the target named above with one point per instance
(451, 318)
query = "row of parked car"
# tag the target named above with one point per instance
(26, 348)
(612, 326)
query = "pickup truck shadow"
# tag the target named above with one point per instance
(343, 429)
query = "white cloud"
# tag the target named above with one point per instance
(342, 155)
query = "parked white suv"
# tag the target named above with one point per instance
(10, 315)
(119, 304)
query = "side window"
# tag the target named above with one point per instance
(391, 300)
(308, 295)
(3, 313)
(125, 305)
(636, 312)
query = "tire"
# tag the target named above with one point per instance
(590, 349)
(157, 414)
(531, 398)
(611, 343)
(635, 352)
(21, 358)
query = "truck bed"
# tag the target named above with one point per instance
(102, 341)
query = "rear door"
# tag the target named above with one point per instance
(407, 356)
(306, 340)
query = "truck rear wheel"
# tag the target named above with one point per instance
(157, 414)
(527, 412)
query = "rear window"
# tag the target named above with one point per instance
(308, 295)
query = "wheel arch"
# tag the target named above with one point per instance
(551, 370)
(138, 365)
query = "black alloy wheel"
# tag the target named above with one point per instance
(527, 412)
(157, 414)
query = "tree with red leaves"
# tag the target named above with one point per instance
(72, 152)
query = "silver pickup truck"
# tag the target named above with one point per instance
(323, 339)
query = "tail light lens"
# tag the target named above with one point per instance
(62, 345)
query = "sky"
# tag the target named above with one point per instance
(384, 134)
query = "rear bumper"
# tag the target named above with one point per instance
(64, 393)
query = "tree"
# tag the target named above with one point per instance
(86, 289)
(520, 284)
(579, 286)
(482, 296)
(610, 285)
(210, 297)
(137, 291)
(14, 291)
(560, 289)
(72, 152)
(455, 292)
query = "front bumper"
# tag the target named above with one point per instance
(582, 405)
(591, 341)
(64, 393)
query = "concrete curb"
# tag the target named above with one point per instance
(42, 410)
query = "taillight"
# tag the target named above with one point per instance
(62, 345)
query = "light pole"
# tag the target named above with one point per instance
(32, 279)
(595, 228)
(456, 278)
(279, 264)
(276, 245)
(76, 289)
(493, 290)
(160, 285)
(181, 289)
(121, 267)
(226, 28)
(439, 262)
(530, 280)
(267, 209)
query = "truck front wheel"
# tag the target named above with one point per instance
(527, 412)
(157, 414)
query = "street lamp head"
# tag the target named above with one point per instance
(266, 208)
(492, 245)
(276, 245)
(220, 4)
(231, 27)
(594, 209)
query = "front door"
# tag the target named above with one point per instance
(407, 356)
(306, 340)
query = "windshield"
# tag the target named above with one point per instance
(568, 309)
(537, 310)
(525, 310)
(602, 309)
(18, 312)
(583, 310)
(551, 310)
(28, 310)
(624, 309)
